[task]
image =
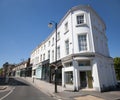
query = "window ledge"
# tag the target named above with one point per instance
(83, 24)
(66, 32)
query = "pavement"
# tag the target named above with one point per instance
(3, 88)
(64, 94)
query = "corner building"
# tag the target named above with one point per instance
(83, 58)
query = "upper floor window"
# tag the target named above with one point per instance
(44, 46)
(52, 55)
(49, 43)
(44, 56)
(66, 26)
(41, 58)
(58, 52)
(49, 54)
(58, 36)
(80, 19)
(41, 48)
(82, 41)
(67, 47)
(53, 41)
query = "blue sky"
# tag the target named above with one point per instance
(23, 24)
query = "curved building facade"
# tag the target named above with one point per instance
(83, 58)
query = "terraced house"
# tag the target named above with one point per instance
(83, 58)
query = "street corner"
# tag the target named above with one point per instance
(88, 97)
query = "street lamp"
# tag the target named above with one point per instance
(51, 25)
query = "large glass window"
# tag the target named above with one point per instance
(69, 77)
(67, 47)
(82, 41)
(80, 19)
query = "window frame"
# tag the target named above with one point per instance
(48, 54)
(58, 35)
(69, 77)
(84, 19)
(58, 52)
(53, 41)
(52, 55)
(81, 50)
(67, 49)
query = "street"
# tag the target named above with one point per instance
(21, 90)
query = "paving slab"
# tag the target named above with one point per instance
(3, 87)
(88, 97)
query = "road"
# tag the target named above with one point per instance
(21, 90)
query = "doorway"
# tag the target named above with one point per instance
(90, 79)
(86, 79)
(83, 79)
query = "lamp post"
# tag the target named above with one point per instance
(51, 25)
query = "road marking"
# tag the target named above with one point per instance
(7, 94)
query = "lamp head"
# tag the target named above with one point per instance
(50, 25)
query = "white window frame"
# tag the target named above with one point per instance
(58, 52)
(52, 55)
(66, 26)
(84, 19)
(58, 36)
(48, 54)
(43, 56)
(53, 39)
(86, 42)
(67, 51)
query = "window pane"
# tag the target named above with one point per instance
(66, 26)
(67, 46)
(58, 52)
(53, 41)
(52, 55)
(82, 42)
(58, 35)
(49, 54)
(69, 77)
(80, 19)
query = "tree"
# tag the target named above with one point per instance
(1, 70)
(5, 68)
(117, 67)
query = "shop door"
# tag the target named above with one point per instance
(83, 80)
(89, 75)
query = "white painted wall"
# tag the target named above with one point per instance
(94, 27)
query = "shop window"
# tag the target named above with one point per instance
(69, 77)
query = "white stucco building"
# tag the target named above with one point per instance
(82, 52)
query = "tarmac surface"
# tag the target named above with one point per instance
(64, 94)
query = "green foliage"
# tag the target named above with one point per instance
(117, 67)
(1, 71)
(117, 62)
